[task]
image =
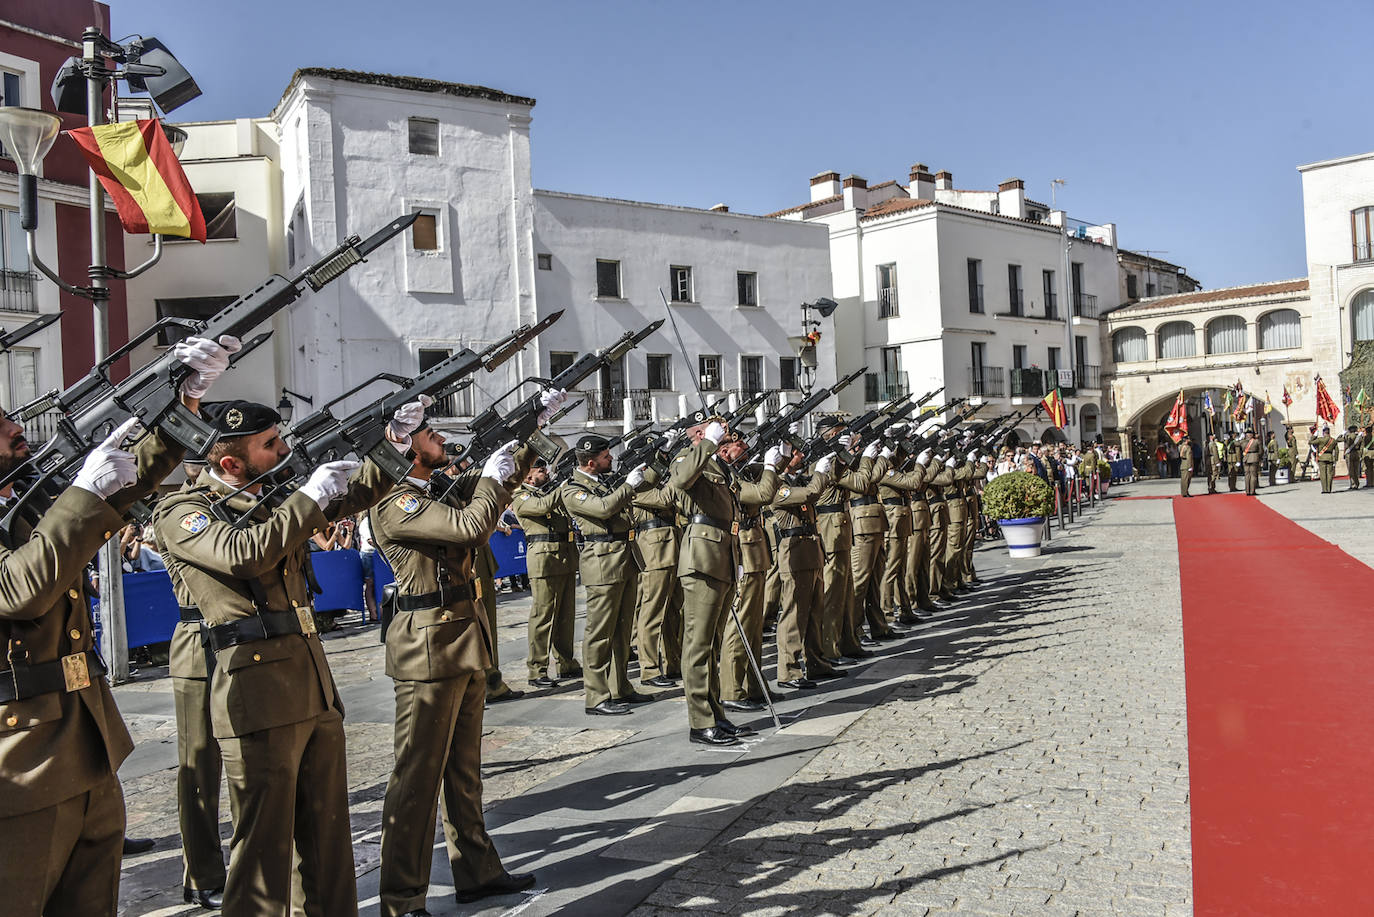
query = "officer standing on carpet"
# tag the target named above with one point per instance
(1251, 453)
(1325, 448)
(1233, 459)
(1291, 440)
(1355, 445)
(1185, 454)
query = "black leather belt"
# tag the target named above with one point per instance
(549, 539)
(440, 598)
(863, 501)
(654, 524)
(797, 532)
(749, 522)
(830, 508)
(71, 673)
(614, 536)
(896, 501)
(258, 627)
(713, 522)
(190, 614)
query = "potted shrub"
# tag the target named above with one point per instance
(1281, 473)
(1019, 501)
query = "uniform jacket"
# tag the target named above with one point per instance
(709, 488)
(1326, 449)
(280, 680)
(1251, 451)
(600, 510)
(186, 652)
(899, 485)
(656, 548)
(754, 497)
(55, 746)
(541, 512)
(426, 541)
(869, 519)
(837, 527)
(794, 506)
(960, 477)
(1185, 456)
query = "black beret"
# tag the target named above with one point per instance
(592, 443)
(234, 419)
(829, 421)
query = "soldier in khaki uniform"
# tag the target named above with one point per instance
(1291, 441)
(1367, 457)
(1251, 452)
(1271, 455)
(799, 564)
(936, 486)
(61, 737)
(438, 648)
(1233, 460)
(918, 547)
(608, 575)
(739, 688)
(866, 557)
(894, 491)
(273, 704)
(1185, 474)
(956, 525)
(1354, 445)
(551, 556)
(1325, 449)
(658, 603)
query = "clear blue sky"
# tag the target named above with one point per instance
(1181, 122)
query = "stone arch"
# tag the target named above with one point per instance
(1278, 329)
(1226, 334)
(1130, 345)
(1176, 339)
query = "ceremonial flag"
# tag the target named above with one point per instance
(1287, 398)
(1227, 400)
(1326, 405)
(1242, 406)
(1268, 402)
(1053, 404)
(1207, 405)
(141, 174)
(1361, 399)
(1345, 394)
(1177, 424)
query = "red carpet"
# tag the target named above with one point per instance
(1278, 635)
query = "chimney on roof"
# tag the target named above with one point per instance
(721, 208)
(944, 181)
(922, 187)
(1011, 198)
(855, 193)
(827, 184)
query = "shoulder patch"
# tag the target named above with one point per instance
(784, 492)
(680, 458)
(524, 497)
(891, 472)
(195, 523)
(581, 495)
(407, 503)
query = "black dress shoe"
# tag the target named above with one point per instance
(730, 728)
(508, 694)
(133, 846)
(909, 619)
(837, 661)
(711, 736)
(420, 913)
(745, 706)
(634, 697)
(797, 684)
(867, 641)
(504, 884)
(861, 653)
(609, 708)
(543, 681)
(570, 673)
(212, 899)
(832, 674)
(660, 681)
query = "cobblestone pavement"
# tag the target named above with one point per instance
(1024, 754)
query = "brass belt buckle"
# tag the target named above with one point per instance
(734, 528)
(477, 589)
(306, 617)
(75, 673)
(631, 533)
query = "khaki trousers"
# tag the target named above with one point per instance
(704, 601)
(737, 680)
(918, 568)
(1185, 479)
(772, 594)
(970, 542)
(290, 782)
(551, 624)
(1368, 471)
(895, 597)
(864, 559)
(837, 584)
(606, 639)
(798, 627)
(438, 744)
(936, 564)
(1327, 472)
(198, 773)
(64, 859)
(651, 613)
(954, 551)
(1352, 473)
(1252, 479)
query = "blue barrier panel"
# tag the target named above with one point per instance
(150, 607)
(341, 576)
(1122, 469)
(510, 553)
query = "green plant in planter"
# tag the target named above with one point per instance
(1283, 455)
(1017, 495)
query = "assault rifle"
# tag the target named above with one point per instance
(567, 461)
(94, 406)
(775, 430)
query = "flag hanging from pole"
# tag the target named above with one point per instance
(1287, 398)
(1227, 400)
(1207, 405)
(141, 174)
(1326, 405)
(1053, 403)
(1361, 400)
(1177, 424)
(1242, 406)
(1268, 402)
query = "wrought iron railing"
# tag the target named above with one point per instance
(1085, 375)
(1029, 383)
(40, 428)
(1085, 305)
(887, 302)
(609, 403)
(880, 387)
(987, 381)
(16, 291)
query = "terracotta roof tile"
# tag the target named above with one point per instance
(807, 206)
(894, 205)
(1271, 288)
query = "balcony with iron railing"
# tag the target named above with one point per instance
(987, 381)
(1051, 304)
(887, 302)
(1029, 383)
(609, 403)
(880, 387)
(1364, 251)
(1084, 305)
(1016, 302)
(17, 291)
(41, 427)
(1085, 375)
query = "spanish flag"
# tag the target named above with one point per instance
(1053, 404)
(141, 174)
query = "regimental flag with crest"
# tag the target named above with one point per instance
(1242, 405)
(141, 174)
(1177, 424)
(1053, 403)
(1287, 398)
(1361, 401)
(1326, 405)
(1228, 400)
(1207, 404)
(1268, 402)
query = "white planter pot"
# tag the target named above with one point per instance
(1281, 476)
(1023, 535)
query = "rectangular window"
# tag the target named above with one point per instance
(560, 361)
(1080, 351)
(1051, 294)
(1018, 356)
(424, 232)
(1052, 362)
(978, 357)
(887, 290)
(200, 308)
(789, 373)
(1149, 289)
(709, 368)
(751, 375)
(1361, 224)
(747, 283)
(221, 216)
(660, 372)
(544, 261)
(607, 278)
(1015, 304)
(424, 136)
(975, 285)
(1132, 287)
(429, 358)
(680, 282)
(19, 378)
(11, 93)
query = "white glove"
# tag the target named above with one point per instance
(715, 432)
(875, 448)
(109, 468)
(328, 482)
(887, 452)
(773, 457)
(500, 464)
(924, 457)
(973, 456)
(552, 400)
(794, 427)
(209, 360)
(846, 439)
(636, 475)
(786, 448)
(670, 440)
(952, 462)
(826, 463)
(407, 420)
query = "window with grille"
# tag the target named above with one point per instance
(608, 278)
(680, 281)
(424, 136)
(747, 283)
(1362, 232)
(709, 369)
(887, 290)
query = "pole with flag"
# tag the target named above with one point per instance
(1177, 425)
(1326, 405)
(1053, 403)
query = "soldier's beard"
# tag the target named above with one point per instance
(15, 456)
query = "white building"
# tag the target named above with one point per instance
(986, 293)
(345, 152)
